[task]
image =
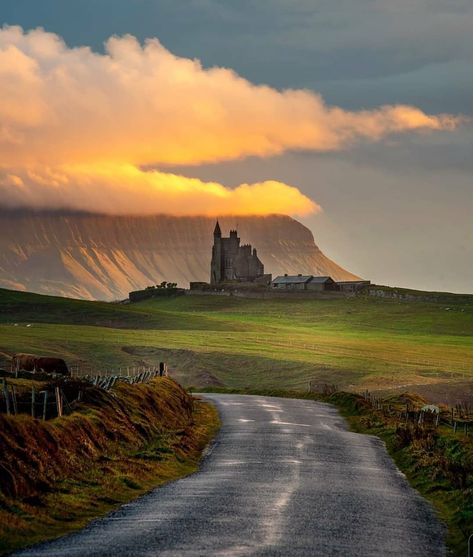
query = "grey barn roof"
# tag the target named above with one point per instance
(292, 279)
(320, 279)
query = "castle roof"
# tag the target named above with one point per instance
(217, 231)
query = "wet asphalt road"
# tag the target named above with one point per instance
(284, 478)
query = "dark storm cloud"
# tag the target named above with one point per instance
(354, 52)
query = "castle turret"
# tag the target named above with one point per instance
(217, 257)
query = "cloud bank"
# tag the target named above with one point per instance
(77, 127)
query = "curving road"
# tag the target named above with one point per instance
(284, 478)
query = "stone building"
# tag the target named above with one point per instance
(318, 283)
(305, 282)
(233, 262)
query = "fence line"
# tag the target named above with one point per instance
(50, 404)
(87, 370)
(458, 417)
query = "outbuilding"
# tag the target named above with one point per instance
(291, 282)
(304, 282)
(321, 284)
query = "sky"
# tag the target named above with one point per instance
(353, 116)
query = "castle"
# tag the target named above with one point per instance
(232, 262)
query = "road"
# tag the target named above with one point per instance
(283, 478)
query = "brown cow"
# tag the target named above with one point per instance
(23, 362)
(52, 365)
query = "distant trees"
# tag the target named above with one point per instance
(163, 285)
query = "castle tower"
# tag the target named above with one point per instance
(216, 265)
(232, 261)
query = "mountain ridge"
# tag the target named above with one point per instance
(94, 256)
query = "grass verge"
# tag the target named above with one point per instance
(56, 476)
(437, 462)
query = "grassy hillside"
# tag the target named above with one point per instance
(235, 342)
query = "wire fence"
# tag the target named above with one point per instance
(458, 417)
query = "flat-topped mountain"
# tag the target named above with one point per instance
(105, 257)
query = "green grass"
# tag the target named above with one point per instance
(235, 342)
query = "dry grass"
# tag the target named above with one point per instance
(57, 475)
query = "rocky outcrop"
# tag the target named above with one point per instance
(105, 257)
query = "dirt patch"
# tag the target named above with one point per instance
(450, 393)
(186, 366)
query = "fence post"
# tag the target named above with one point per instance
(15, 406)
(45, 402)
(58, 401)
(33, 402)
(6, 395)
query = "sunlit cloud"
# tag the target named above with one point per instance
(77, 127)
(123, 189)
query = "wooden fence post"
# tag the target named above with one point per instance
(58, 401)
(45, 402)
(15, 406)
(33, 402)
(6, 395)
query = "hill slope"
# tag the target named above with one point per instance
(357, 343)
(105, 257)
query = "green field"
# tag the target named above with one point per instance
(240, 342)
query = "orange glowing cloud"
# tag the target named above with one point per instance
(122, 189)
(76, 126)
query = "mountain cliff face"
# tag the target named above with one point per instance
(105, 257)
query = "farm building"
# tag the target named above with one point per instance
(291, 282)
(322, 283)
(304, 282)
